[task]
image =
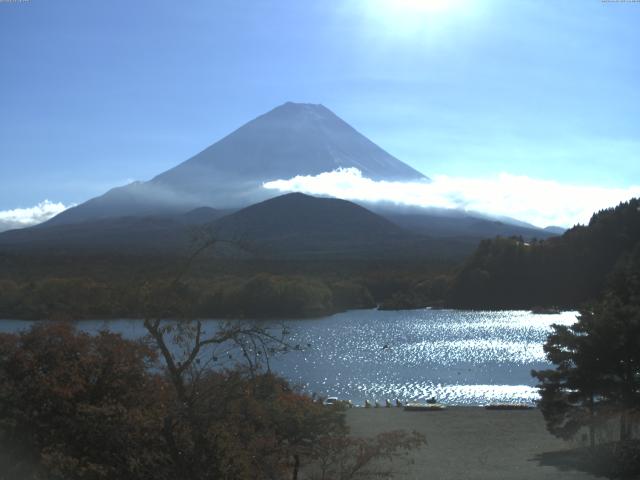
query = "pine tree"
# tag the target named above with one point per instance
(597, 374)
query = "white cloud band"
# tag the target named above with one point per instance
(26, 217)
(540, 202)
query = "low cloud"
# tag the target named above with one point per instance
(26, 217)
(540, 202)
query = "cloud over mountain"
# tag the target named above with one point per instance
(540, 202)
(26, 217)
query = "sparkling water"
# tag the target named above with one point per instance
(458, 357)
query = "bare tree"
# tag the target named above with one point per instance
(188, 352)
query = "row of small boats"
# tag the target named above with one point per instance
(429, 406)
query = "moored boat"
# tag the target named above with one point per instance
(423, 407)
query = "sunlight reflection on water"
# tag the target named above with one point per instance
(459, 357)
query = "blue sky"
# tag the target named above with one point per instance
(97, 93)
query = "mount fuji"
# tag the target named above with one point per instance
(222, 187)
(292, 139)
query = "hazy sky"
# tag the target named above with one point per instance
(97, 93)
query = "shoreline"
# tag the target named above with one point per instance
(309, 317)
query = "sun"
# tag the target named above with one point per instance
(422, 6)
(410, 18)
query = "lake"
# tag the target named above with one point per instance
(458, 357)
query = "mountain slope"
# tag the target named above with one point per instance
(456, 223)
(290, 226)
(150, 234)
(292, 139)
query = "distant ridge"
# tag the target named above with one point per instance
(437, 222)
(293, 225)
(292, 139)
(555, 230)
(147, 234)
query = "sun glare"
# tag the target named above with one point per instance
(422, 6)
(408, 18)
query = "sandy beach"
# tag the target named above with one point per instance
(474, 443)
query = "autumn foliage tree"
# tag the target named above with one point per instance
(79, 406)
(74, 405)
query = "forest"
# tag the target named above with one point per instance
(562, 272)
(112, 287)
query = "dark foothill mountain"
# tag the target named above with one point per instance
(295, 214)
(298, 223)
(303, 226)
(292, 139)
(563, 271)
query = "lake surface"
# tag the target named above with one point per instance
(459, 357)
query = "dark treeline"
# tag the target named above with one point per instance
(560, 272)
(99, 287)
